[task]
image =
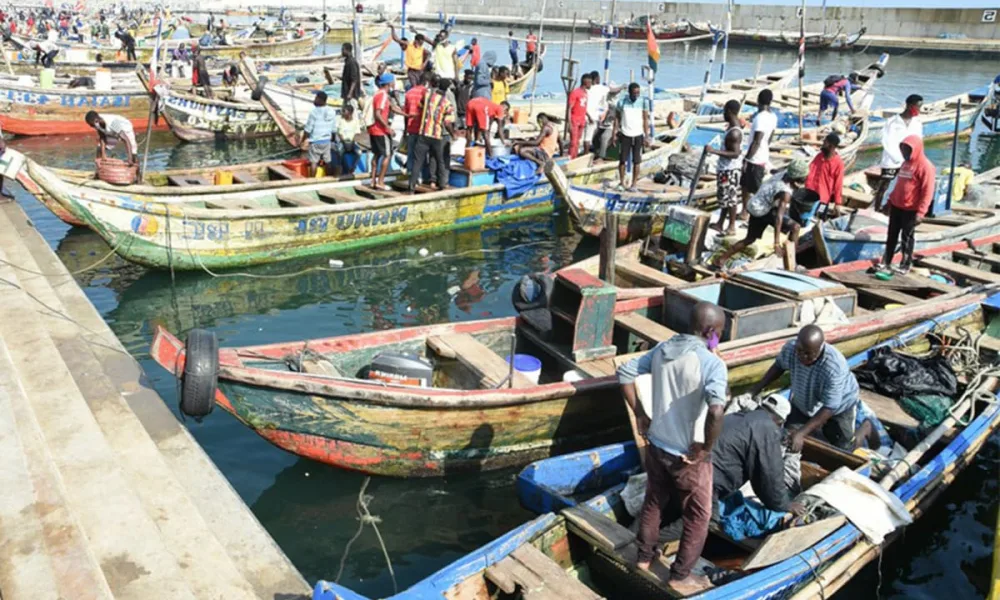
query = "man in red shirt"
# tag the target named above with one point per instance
(530, 47)
(909, 202)
(480, 113)
(380, 131)
(412, 101)
(578, 114)
(826, 176)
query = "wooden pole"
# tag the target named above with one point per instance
(802, 60)
(609, 241)
(534, 61)
(697, 174)
(708, 70)
(725, 41)
(954, 156)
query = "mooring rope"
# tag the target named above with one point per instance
(365, 517)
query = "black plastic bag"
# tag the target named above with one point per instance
(897, 375)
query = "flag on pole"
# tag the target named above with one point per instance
(652, 47)
(156, 54)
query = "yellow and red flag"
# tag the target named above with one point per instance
(652, 47)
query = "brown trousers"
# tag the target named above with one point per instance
(687, 488)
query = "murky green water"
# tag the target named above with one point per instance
(309, 508)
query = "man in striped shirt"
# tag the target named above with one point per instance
(436, 116)
(824, 390)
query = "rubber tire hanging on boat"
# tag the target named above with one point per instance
(201, 373)
(258, 91)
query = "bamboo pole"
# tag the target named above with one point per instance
(708, 70)
(607, 44)
(725, 42)
(954, 156)
(534, 60)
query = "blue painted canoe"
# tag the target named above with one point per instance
(937, 118)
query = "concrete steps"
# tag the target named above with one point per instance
(145, 512)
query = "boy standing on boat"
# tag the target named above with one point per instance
(689, 395)
(909, 202)
(729, 167)
(896, 129)
(826, 176)
(319, 127)
(824, 391)
(758, 155)
(512, 49)
(578, 114)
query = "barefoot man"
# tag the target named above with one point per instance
(689, 386)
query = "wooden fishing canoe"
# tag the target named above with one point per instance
(937, 118)
(520, 84)
(194, 118)
(206, 226)
(254, 48)
(328, 414)
(32, 110)
(863, 236)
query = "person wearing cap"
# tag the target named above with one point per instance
(749, 449)
(380, 132)
(824, 391)
(772, 206)
(319, 127)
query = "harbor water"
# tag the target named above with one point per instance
(311, 509)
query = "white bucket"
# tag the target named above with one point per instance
(527, 365)
(102, 79)
(574, 375)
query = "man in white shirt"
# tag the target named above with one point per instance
(757, 156)
(896, 129)
(631, 129)
(597, 108)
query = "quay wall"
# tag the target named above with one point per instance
(905, 22)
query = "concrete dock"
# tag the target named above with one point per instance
(105, 494)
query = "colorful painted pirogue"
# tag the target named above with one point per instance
(323, 408)
(197, 227)
(33, 110)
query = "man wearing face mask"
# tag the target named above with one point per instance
(824, 390)
(689, 388)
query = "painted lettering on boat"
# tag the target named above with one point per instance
(638, 207)
(372, 218)
(200, 230)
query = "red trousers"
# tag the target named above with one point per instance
(575, 135)
(687, 487)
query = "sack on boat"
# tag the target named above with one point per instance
(871, 508)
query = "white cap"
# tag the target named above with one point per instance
(777, 404)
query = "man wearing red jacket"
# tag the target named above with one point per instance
(826, 176)
(908, 203)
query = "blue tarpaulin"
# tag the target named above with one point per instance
(515, 173)
(741, 518)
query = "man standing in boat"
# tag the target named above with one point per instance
(350, 77)
(110, 130)
(531, 47)
(631, 129)
(512, 49)
(826, 176)
(758, 154)
(908, 204)
(829, 97)
(727, 172)
(320, 127)
(415, 56)
(824, 391)
(688, 388)
(896, 129)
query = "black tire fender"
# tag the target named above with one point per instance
(201, 373)
(258, 92)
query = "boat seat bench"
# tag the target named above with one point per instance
(299, 199)
(538, 576)
(187, 180)
(279, 172)
(334, 196)
(244, 177)
(644, 327)
(487, 365)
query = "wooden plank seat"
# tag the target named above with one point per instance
(187, 180)
(644, 327)
(403, 186)
(487, 365)
(335, 196)
(228, 204)
(642, 275)
(372, 194)
(963, 273)
(280, 172)
(299, 199)
(888, 296)
(888, 410)
(986, 261)
(537, 576)
(244, 177)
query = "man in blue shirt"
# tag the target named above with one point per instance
(319, 127)
(684, 421)
(824, 390)
(513, 51)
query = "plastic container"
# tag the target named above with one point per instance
(116, 172)
(298, 165)
(475, 158)
(102, 79)
(401, 368)
(520, 116)
(320, 171)
(527, 365)
(223, 177)
(46, 78)
(574, 375)
(892, 306)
